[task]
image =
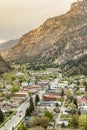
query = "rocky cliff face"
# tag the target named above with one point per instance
(4, 67)
(59, 40)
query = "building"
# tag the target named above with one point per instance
(82, 102)
(62, 84)
(50, 98)
(22, 95)
(54, 92)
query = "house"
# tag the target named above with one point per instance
(24, 84)
(82, 89)
(79, 97)
(82, 102)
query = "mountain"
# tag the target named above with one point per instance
(61, 39)
(7, 45)
(4, 67)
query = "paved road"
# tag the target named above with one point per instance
(16, 118)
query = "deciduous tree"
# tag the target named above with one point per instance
(83, 122)
(48, 114)
(45, 122)
(23, 127)
(74, 121)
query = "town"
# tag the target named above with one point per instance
(43, 65)
(45, 99)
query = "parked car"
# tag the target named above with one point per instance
(19, 115)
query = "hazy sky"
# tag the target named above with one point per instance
(20, 16)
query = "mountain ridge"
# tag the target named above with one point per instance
(8, 44)
(59, 40)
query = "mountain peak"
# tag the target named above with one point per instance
(79, 7)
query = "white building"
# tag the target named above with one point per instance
(62, 84)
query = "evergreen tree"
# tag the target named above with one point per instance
(31, 107)
(27, 112)
(1, 116)
(75, 102)
(79, 112)
(37, 99)
(63, 125)
(78, 83)
(62, 92)
(49, 87)
(12, 128)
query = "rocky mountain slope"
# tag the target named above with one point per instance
(7, 45)
(4, 67)
(61, 39)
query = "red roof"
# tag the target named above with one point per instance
(82, 101)
(50, 97)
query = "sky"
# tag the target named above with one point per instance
(18, 17)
